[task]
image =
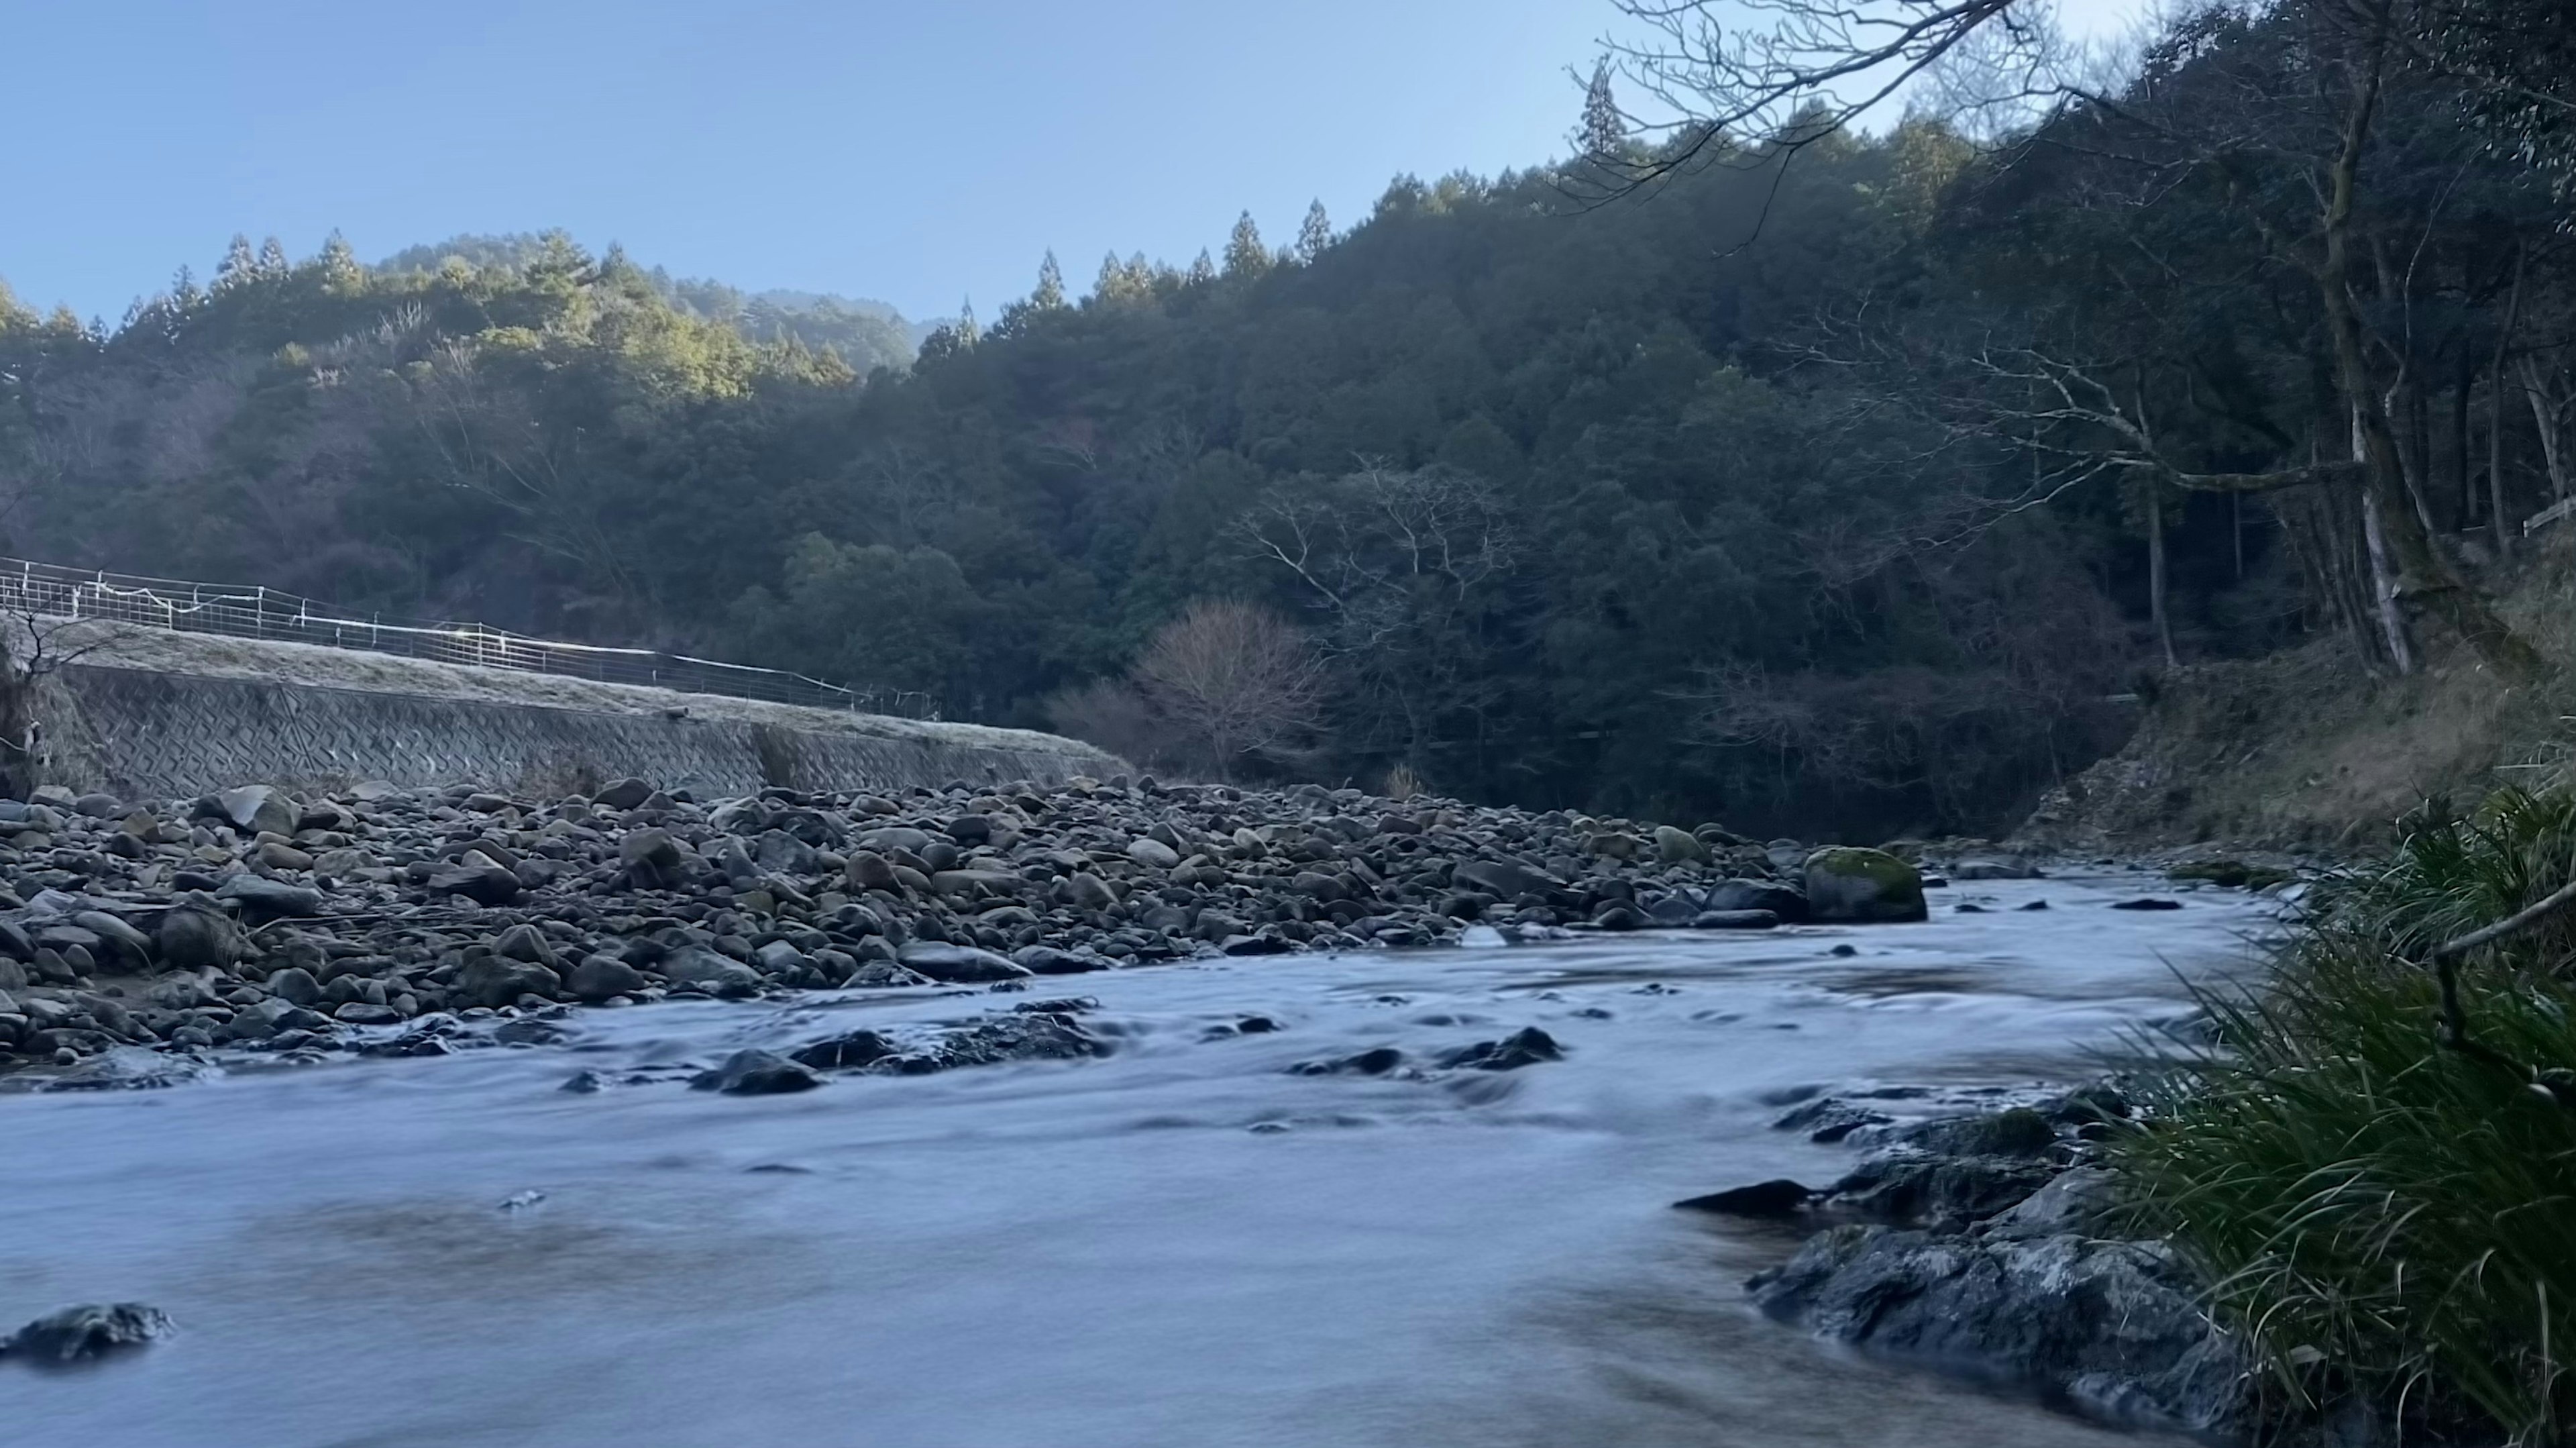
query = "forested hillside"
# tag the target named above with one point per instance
(1854, 486)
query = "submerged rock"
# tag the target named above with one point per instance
(756, 1073)
(1527, 1046)
(1779, 1197)
(86, 1331)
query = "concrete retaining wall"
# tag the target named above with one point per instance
(145, 733)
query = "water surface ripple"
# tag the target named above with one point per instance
(1181, 1246)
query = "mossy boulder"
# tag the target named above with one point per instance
(1847, 883)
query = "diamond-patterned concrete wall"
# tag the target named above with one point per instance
(144, 734)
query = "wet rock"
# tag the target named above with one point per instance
(2147, 902)
(1786, 902)
(87, 1331)
(1735, 920)
(2016, 1131)
(756, 1073)
(2073, 1201)
(1993, 867)
(1374, 1062)
(2115, 1328)
(1618, 915)
(1018, 1038)
(1779, 1197)
(1948, 1193)
(1047, 960)
(1845, 883)
(958, 964)
(881, 975)
(1829, 1119)
(1528, 1046)
(847, 1052)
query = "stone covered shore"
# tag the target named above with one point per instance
(259, 920)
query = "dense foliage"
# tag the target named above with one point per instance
(2384, 1214)
(1728, 498)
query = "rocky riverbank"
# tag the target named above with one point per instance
(1990, 1244)
(378, 919)
(1997, 1245)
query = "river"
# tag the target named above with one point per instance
(1183, 1245)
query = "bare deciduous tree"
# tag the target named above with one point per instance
(1235, 676)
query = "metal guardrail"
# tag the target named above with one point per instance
(44, 590)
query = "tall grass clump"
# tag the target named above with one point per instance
(2383, 1213)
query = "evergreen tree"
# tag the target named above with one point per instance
(240, 265)
(273, 265)
(1202, 270)
(1111, 286)
(1049, 295)
(968, 334)
(1315, 235)
(1245, 256)
(1604, 132)
(341, 273)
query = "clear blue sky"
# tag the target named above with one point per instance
(915, 152)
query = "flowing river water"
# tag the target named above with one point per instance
(1183, 1245)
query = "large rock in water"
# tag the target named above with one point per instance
(756, 1073)
(86, 1331)
(2117, 1328)
(1851, 884)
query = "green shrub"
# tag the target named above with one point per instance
(2379, 1213)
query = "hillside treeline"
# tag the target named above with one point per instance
(1850, 482)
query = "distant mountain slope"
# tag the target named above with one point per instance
(862, 331)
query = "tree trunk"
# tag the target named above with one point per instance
(2156, 573)
(2545, 418)
(2463, 455)
(2495, 417)
(18, 752)
(2384, 588)
(2415, 575)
